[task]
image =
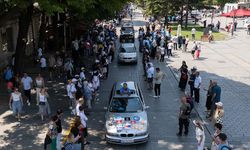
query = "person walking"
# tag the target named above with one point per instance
(198, 51)
(71, 92)
(193, 33)
(159, 76)
(197, 85)
(163, 53)
(150, 75)
(52, 132)
(44, 108)
(84, 120)
(183, 117)
(39, 83)
(218, 130)
(200, 134)
(194, 48)
(52, 66)
(16, 103)
(175, 41)
(27, 85)
(186, 43)
(184, 76)
(170, 47)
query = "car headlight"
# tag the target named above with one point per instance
(121, 55)
(112, 134)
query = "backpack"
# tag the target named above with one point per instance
(225, 146)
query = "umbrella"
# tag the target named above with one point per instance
(237, 13)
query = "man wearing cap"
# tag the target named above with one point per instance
(183, 117)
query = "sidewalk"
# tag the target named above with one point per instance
(228, 63)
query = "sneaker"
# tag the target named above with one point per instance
(155, 96)
(70, 107)
(28, 103)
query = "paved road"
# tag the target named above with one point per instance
(162, 114)
(228, 63)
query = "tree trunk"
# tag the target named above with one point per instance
(187, 8)
(42, 31)
(181, 21)
(24, 22)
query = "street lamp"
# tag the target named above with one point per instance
(233, 26)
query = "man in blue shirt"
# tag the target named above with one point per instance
(125, 89)
(222, 139)
(216, 94)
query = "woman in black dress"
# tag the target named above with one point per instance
(184, 76)
(209, 97)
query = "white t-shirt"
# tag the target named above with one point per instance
(150, 72)
(83, 118)
(43, 62)
(199, 133)
(193, 31)
(82, 76)
(70, 90)
(42, 98)
(197, 82)
(40, 52)
(170, 45)
(27, 82)
(162, 50)
(16, 96)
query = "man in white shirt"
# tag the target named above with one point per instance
(27, 85)
(175, 41)
(84, 120)
(170, 47)
(43, 63)
(158, 80)
(150, 75)
(197, 85)
(71, 91)
(193, 33)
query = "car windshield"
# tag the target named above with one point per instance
(125, 104)
(127, 29)
(128, 50)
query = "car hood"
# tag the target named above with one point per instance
(126, 122)
(127, 54)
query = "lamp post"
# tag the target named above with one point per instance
(233, 26)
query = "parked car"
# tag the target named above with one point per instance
(126, 116)
(127, 53)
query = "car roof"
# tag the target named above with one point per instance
(125, 45)
(127, 24)
(130, 84)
